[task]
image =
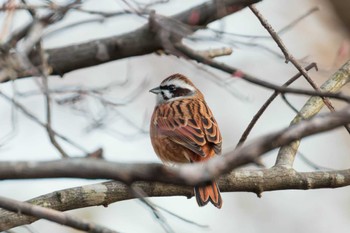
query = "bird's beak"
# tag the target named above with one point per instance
(155, 90)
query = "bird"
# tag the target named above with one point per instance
(184, 130)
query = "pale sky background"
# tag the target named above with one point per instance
(317, 38)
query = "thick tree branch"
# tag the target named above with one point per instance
(138, 42)
(191, 174)
(256, 181)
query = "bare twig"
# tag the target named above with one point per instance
(279, 32)
(7, 22)
(266, 104)
(311, 163)
(46, 93)
(48, 118)
(233, 42)
(179, 217)
(35, 119)
(289, 57)
(273, 34)
(13, 129)
(286, 154)
(139, 193)
(289, 104)
(237, 73)
(52, 215)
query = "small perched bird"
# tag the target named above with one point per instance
(183, 130)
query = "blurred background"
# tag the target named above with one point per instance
(121, 128)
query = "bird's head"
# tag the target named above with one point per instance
(176, 87)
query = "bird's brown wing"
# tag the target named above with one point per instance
(183, 131)
(193, 129)
(212, 132)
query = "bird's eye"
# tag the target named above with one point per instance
(172, 88)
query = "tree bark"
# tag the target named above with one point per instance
(135, 43)
(256, 181)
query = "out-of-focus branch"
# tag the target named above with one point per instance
(7, 22)
(187, 174)
(256, 181)
(31, 116)
(287, 153)
(280, 32)
(45, 89)
(46, 92)
(33, 30)
(138, 42)
(50, 214)
(213, 53)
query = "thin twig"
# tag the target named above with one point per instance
(237, 73)
(35, 119)
(266, 104)
(34, 38)
(287, 153)
(48, 119)
(14, 127)
(48, 102)
(279, 32)
(289, 57)
(7, 22)
(31, 11)
(289, 104)
(181, 218)
(233, 42)
(296, 21)
(272, 32)
(139, 193)
(312, 164)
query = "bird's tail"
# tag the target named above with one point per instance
(207, 193)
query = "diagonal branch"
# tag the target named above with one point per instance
(267, 103)
(287, 153)
(237, 73)
(290, 57)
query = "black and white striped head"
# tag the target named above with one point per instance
(173, 88)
